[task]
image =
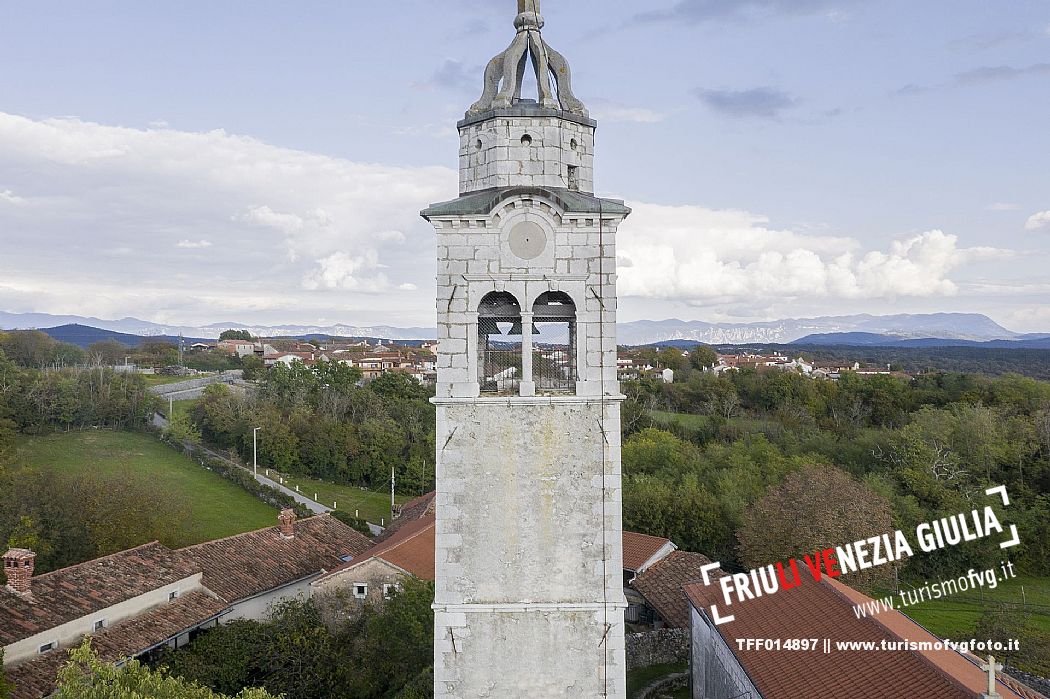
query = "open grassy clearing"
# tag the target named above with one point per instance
(639, 679)
(957, 616)
(162, 380)
(373, 506)
(216, 507)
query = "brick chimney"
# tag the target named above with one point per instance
(18, 567)
(287, 520)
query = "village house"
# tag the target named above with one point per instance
(722, 668)
(136, 601)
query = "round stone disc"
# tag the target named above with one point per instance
(527, 240)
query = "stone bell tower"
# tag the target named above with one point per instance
(529, 591)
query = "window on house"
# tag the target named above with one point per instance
(173, 595)
(99, 625)
(48, 647)
(389, 590)
(360, 590)
(574, 177)
(554, 350)
(499, 343)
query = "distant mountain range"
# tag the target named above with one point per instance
(875, 340)
(914, 330)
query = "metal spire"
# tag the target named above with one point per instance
(505, 73)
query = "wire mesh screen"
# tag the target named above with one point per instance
(554, 346)
(554, 358)
(499, 343)
(499, 355)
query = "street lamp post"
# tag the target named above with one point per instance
(255, 450)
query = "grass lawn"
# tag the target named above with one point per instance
(161, 380)
(218, 508)
(373, 506)
(181, 407)
(638, 680)
(957, 616)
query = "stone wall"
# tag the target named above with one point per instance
(515, 151)
(475, 259)
(661, 647)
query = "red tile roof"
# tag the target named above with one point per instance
(662, 585)
(410, 512)
(411, 548)
(825, 610)
(246, 565)
(36, 678)
(638, 549)
(77, 591)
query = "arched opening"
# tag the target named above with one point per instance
(554, 351)
(499, 343)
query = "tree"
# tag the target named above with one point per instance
(29, 348)
(236, 335)
(254, 367)
(224, 659)
(88, 677)
(703, 357)
(394, 645)
(815, 508)
(108, 352)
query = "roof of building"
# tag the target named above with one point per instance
(36, 678)
(662, 585)
(825, 609)
(77, 591)
(639, 549)
(482, 203)
(411, 511)
(246, 565)
(411, 549)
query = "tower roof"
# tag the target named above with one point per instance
(505, 73)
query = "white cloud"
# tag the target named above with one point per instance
(1002, 206)
(193, 244)
(342, 271)
(612, 112)
(699, 255)
(10, 197)
(1037, 221)
(309, 233)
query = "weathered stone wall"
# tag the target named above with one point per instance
(338, 591)
(523, 151)
(716, 673)
(474, 259)
(529, 550)
(661, 647)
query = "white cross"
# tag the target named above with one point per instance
(991, 668)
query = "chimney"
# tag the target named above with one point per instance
(287, 520)
(18, 567)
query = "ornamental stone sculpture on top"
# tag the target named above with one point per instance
(505, 73)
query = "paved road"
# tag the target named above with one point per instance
(317, 508)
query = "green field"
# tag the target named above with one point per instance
(162, 380)
(957, 616)
(217, 508)
(373, 506)
(641, 678)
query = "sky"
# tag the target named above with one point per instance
(265, 162)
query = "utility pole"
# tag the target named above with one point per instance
(255, 450)
(392, 481)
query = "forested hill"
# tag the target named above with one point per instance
(965, 360)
